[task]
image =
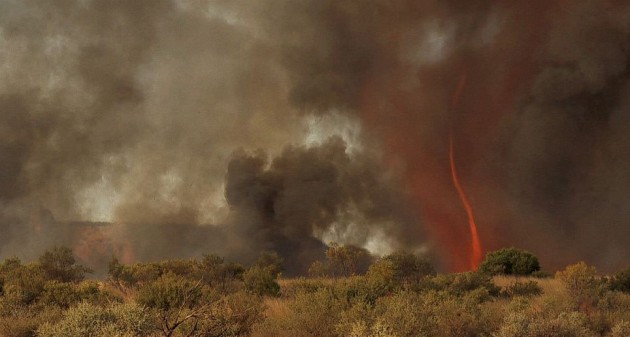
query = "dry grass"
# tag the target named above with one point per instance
(276, 307)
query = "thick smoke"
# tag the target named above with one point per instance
(313, 190)
(131, 113)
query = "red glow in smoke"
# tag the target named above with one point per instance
(411, 121)
(475, 256)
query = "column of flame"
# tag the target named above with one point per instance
(476, 253)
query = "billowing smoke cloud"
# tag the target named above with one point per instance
(313, 190)
(128, 113)
(131, 112)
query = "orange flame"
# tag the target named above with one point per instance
(475, 256)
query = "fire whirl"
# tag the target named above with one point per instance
(475, 257)
(476, 254)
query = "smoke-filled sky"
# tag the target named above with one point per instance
(189, 126)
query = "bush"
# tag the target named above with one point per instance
(621, 281)
(463, 283)
(24, 284)
(433, 313)
(87, 319)
(312, 314)
(528, 324)
(220, 274)
(347, 260)
(59, 264)
(400, 270)
(530, 288)
(261, 281)
(581, 283)
(509, 261)
(170, 292)
(24, 321)
(233, 315)
(60, 294)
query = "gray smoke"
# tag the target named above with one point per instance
(133, 113)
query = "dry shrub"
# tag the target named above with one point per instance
(311, 314)
(24, 321)
(622, 329)
(582, 284)
(86, 319)
(409, 313)
(529, 288)
(534, 324)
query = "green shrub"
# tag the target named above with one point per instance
(509, 261)
(59, 264)
(261, 281)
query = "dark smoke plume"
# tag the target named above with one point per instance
(120, 123)
(312, 190)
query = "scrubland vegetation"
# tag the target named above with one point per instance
(346, 295)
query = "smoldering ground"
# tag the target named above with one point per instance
(133, 113)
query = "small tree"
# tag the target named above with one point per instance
(178, 302)
(218, 273)
(409, 267)
(582, 284)
(510, 261)
(347, 260)
(59, 264)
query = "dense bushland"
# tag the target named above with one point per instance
(351, 294)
